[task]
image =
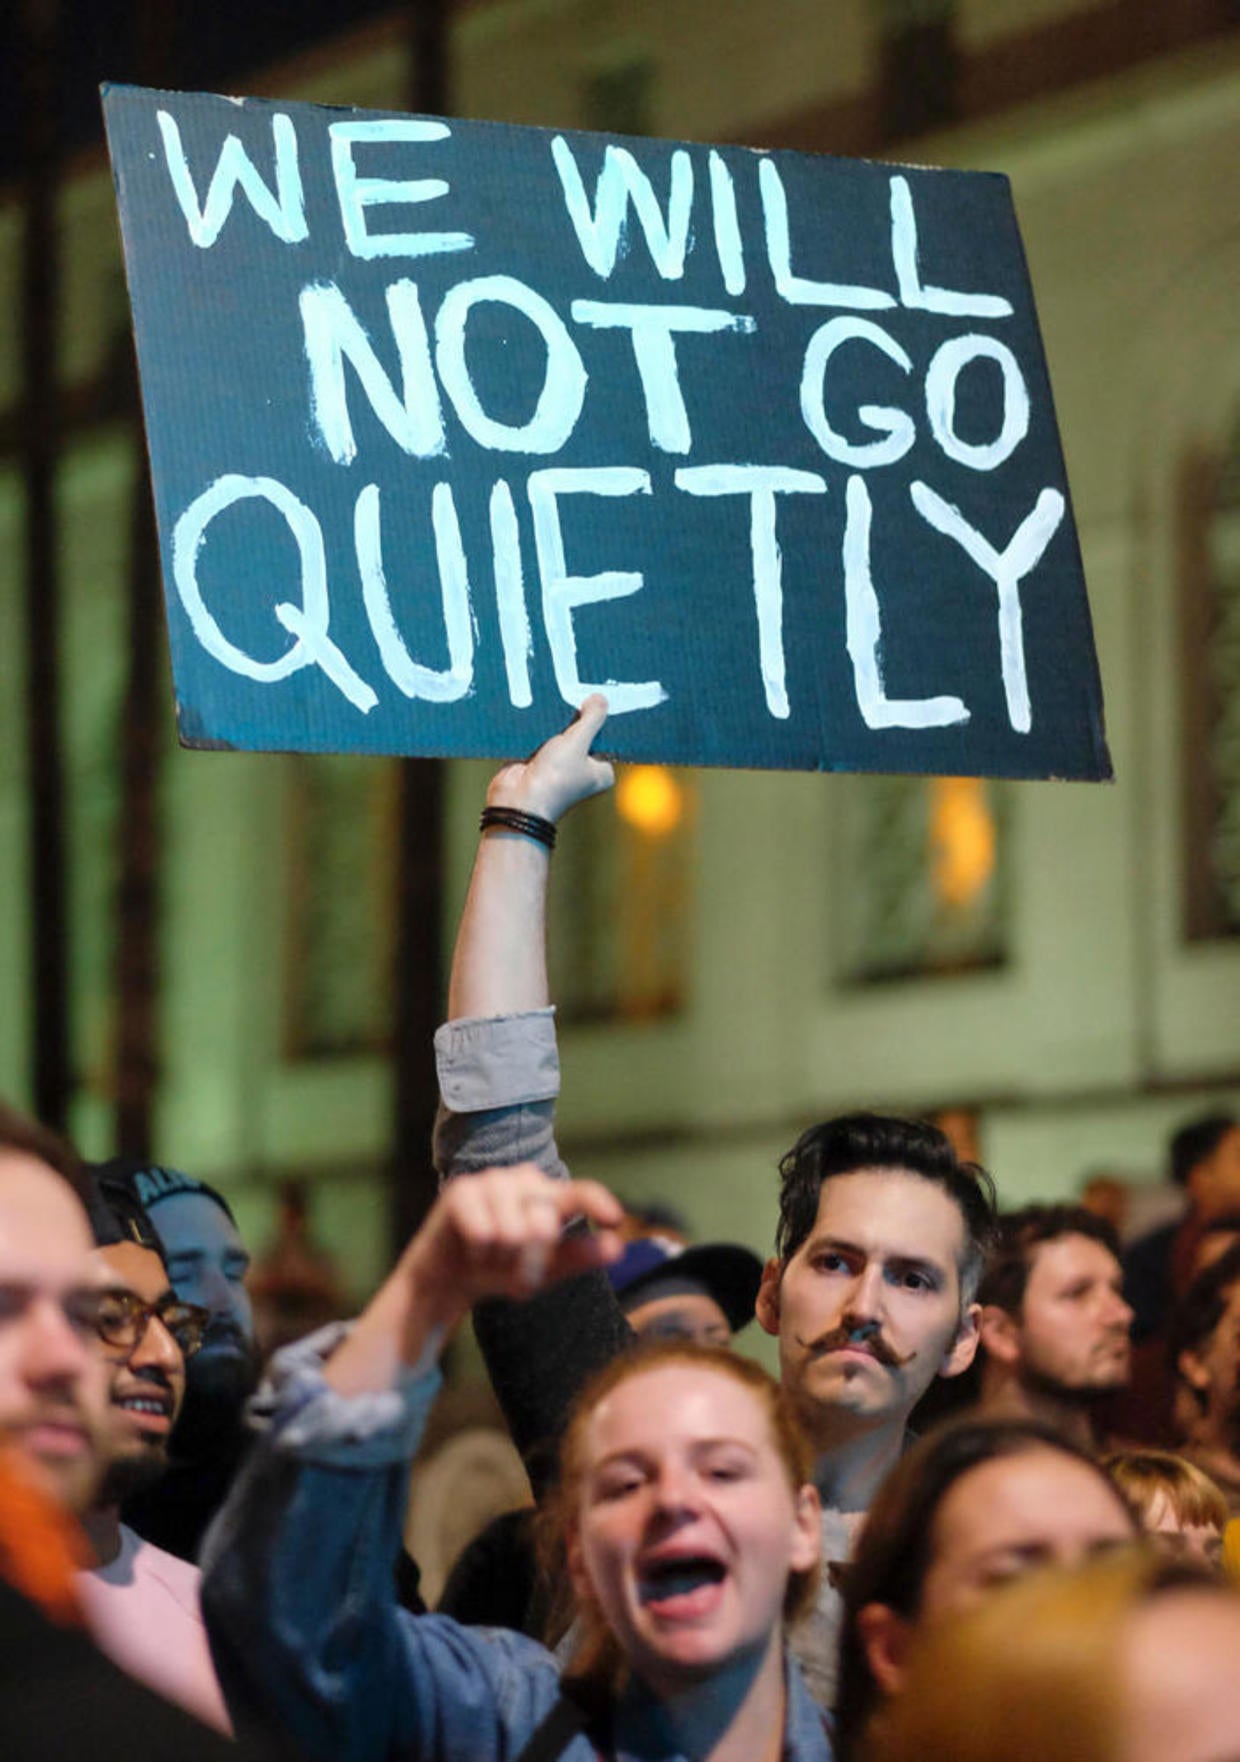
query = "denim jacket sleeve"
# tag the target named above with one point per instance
(299, 1600)
(499, 1077)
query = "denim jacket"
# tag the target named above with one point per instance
(303, 1620)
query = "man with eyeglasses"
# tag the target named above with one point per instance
(141, 1603)
(207, 1264)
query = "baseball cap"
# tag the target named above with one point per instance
(654, 1266)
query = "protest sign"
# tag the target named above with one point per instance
(451, 423)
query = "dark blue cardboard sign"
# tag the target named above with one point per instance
(452, 422)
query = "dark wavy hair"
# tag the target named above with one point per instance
(857, 1141)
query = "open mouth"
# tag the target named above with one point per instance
(681, 1580)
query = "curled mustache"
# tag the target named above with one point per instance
(868, 1335)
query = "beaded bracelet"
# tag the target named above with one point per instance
(514, 820)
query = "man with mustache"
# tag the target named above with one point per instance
(141, 1602)
(882, 1231)
(1055, 1327)
(207, 1263)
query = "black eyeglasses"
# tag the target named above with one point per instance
(122, 1319)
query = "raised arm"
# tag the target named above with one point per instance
(499, 1076)
(298, 1591)
(499, 966)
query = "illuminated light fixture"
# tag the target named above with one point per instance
(962, 839)
(649, 799)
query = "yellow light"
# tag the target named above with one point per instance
(650, 799)
(962, 839)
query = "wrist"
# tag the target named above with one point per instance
(518, 822)
(507, 791)
(434, 1299)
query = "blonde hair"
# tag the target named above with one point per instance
(597, 1660)
(1036, 1660)
(1142, 1476)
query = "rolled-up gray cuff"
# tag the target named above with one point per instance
(497, 1061)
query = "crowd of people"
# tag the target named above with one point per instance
(985, 1511)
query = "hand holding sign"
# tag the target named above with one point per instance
(561, 773)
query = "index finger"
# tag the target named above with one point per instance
(589, 719)
(591, 1200)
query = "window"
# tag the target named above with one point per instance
(923, 887)
(620, 898)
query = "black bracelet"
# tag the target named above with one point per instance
(514, 820)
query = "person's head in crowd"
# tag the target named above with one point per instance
(1108, 1196)
(1131, 1658)
(207, 1264)
(960, 1126)
(1055, 1329)
(704, 1293)
(52, 1380)
(1178, 1504)
(881, 1241)
(972, 1505)
(655, 1217)
(686, 1510)
(148, 1334)
(1205, 1162)
(1203, 1341)
(1216, 1236)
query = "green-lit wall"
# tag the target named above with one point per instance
(1103, 1029)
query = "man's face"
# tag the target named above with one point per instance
(146, 1380)
(1072, 1335)
(207, 1264)
(1213, 1369)
(868, 1309)
(52, 1377)
(685, 1315)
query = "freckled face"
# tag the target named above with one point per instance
(688, 1527)
(881, 1262)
